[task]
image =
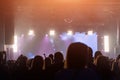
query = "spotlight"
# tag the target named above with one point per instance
(15, 46)
(69, 33)
(31, 33)
(52, 33)
(46, 35)
(106, 43)
(90, 32)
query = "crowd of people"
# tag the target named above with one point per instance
(79, 64)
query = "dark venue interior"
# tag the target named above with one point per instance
(60, 39)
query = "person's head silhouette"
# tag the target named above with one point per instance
(77, 55)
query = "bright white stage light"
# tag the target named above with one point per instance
(15, 46)
(31, 33)
(90, 32)
(106, 43)
(70, 33)
(52, 33)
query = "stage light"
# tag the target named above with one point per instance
(106, 43)
(90, 32)
(69, 33)
(31, 33)
(52, 33)
(15, 46)
(46, 35)
(64, 37)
